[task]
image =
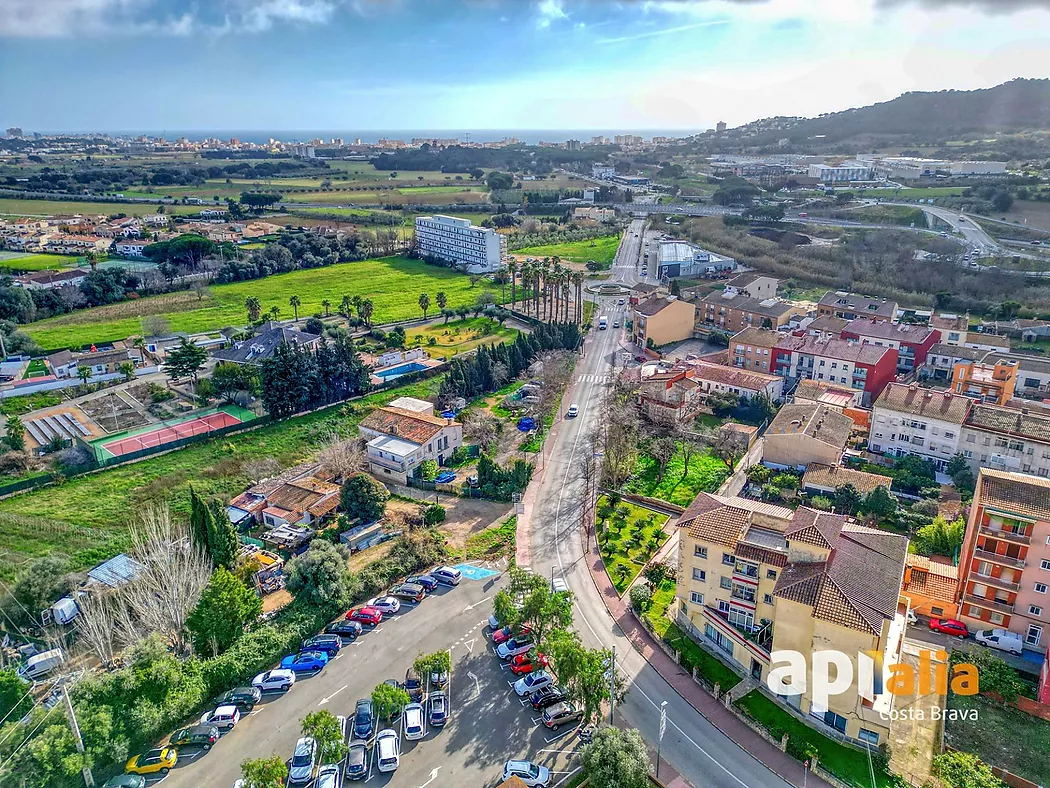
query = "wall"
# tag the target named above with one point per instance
(54, 385)
(798, 449)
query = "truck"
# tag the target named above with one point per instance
(41, 664)
(603, 322)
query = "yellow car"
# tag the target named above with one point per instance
(157, 761)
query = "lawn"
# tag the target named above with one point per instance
(35, 369)
(37, 262)
(459, 336)
(601, 250)
(846, 763)
(393, 284)
(446, 194)
(628, 536)
(1003, 736)
(439, 189)
(13, 207)
(25, 403)
(492, 542)
(912, 194)
(86, 517)
(706, 474)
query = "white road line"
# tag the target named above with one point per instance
(566, 777)
(560, 752)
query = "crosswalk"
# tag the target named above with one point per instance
(593, 378)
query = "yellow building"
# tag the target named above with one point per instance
(757, 579)
(662, 319)
(804, 433)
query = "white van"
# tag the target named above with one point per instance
(388, 750)
(447, 575)
(1000, 639)
(412, 721)
(41, 664)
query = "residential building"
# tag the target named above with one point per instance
(658, 320)
(74, 244)
(954, 328)
(1004, 570)
(826, 326)
(403, 435)
(49, 280)
(866, 368)
(850, 306)
(942, 358)
(304, 500)
(753, 285)
(642, 291)
(734, 312)
(1007, 439)
(803, 433)
(214, 213)
(745, 384)
(752, 349)
(912, 342)
(847, 172)
(932, 586)
(480, 250)
(825, 479)
(910, 419)
(841, 398)
(671, 397)
(594, 213)
(986, 382)
(131, 247)
(265, 342)
(66, 363)
(680, 258)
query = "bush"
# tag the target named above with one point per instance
(759, 474)
(641, 598)
(434, 514)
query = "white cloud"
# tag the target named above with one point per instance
(63, 18)
(663, 32)
(262, 16)
(550, 11)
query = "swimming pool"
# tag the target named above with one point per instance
(399, 370)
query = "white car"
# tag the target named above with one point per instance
(276, 680)
(572, 412)
(329, 776)
(1000, 639)
(388, 750)
(513, 647)
(304, 762)
(385, 604)
(494, 623)
(532, 682)
(224, 717)
(412, 721)
(533, 775)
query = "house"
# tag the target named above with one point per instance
(752, 349)
(74, 244)
(131, 247)
(954, 328)
(594, 213)
(1004, 569)
(910, 419)
(931, 585)
(912, 342)
(942, 358)
(863, 367)
(745, 384)
(265, 342)
(642, 291)
(826, 326)
(986, 382)
(115, 572)
(214, 213)
(305, 501)
(756, 578)
(49, 280)
(155, 219)
(803, 433)
(403, 435)
(66, 363)
(825, 479)
(837, 396)
(1007, 439)
(734, 311)
(753, 285)
(660, 320)
(670, 397)
(850, 306)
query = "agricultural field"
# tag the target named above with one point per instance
(15, 207)
(458, 336)
(12, 262)
(440, 195)
(628, 536)
(912, 194)
(601, 250)
(393, 284)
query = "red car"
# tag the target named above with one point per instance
(523, 663)
(506, 633)
(949, 626)
(365, 615)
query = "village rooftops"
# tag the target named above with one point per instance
(839, 349)
(771, 307)
(731, 376)
(950, 322)
(654, 304)
(1016, 493)
(884, 329)
(263, 345)
(960, 352)
(50, 277)
(828, 324)
(869, 306)
(1021, 422)
(820, 422)
(408, 425)
(758, 337)
(929, 403)
(831, 478)
(722, 520)
(824, 392)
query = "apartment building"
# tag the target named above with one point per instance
(480, 250)
(752, 349)
(753, 285)
(671, 397)
(1005, 564)
(909, 419)
(850, 306)
(404, 434)
(866, 368)
(826, 326)
(954, 328)
(745, 384)
(803, 433)
(841, 398)
(847, 172)
(1007, 439)
(994, 383)
(942, 358)
(734, 311)
(661, 319)
(757, 578)
(912, 342)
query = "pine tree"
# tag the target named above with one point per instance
(222, 536)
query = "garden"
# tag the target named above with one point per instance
(628, 536)
(686, 473)
(602, 250)
(458, 336)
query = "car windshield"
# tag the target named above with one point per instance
(302, 759)
(534, 770)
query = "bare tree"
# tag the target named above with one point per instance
(661, 450)
(261, 468)
(480, 428)
(620, 440)
(155, 326)
(199, 288)
(97, 624)
(342, 457)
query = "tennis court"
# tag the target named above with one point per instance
(169, 433)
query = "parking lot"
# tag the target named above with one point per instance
(488, 723)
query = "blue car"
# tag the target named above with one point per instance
(305, 661)
(428, 582)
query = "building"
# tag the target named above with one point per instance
(757, 578)
(909, 419)
(670, 397)
(841, 398)
(752, 349)
(594, 213)
(954, 328)
(627, 140)
(720, 127)
(745, 384)
(131, 247)
(480, 250)
(850, 306)
(912, 342)
(753, 285)
(66, 363)
(731, 311)
(985, 382)
(214, 213)
(866, 368)
(403, 435)
(14, 131)
(1007, 439)
(680, 258)
(603, 171)
(932, 586)
(803, 433)
(942, 358)
(49, 280)
(265, 342)
(659, 320)
(303, 500)
(1004, 570)
(847, 172)
(825, 479)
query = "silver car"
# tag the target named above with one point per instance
(304, 762)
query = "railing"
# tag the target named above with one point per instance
(1010, 536)
(393, 465)
(998, 558)
(742, 596)
(989, 604)
(996, 582)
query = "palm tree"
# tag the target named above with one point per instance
(345, 306)
(327, 306)
(275, 311)
(295, 303)
(357, 301)
(577, 279)
(127, 369)
(526, 277)
(366, 311)
(84, 373)
(254, 307)
(442, 299)
(424, 304)
(512, 269)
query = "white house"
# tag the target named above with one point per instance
(404, 434)
(131, 247)
(910, 419)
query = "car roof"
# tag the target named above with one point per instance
(558, 708)
(304, 744)
(230, 709)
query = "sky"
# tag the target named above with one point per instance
(110, 65)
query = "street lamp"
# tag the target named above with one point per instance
(660, 741)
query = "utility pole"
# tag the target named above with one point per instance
(612, 685)
(89, 779)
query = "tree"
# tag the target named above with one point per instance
(257, 201)
(879, 504)
(366, 310)
(388, 701)
(326, 305)
(962, 476)
(185, 360)
(228, 379)
(323, 728)
(225, 607)
(442, 300)
(655, 573)
(127, 369)
(269, 772)
(321, 577)
(14, 695)
(84, 373)
(529, 599)
(965, 770)
(16, 433)
(847, 499)
(616, 758)
(295, 302)
(212, 532)
(275, 312)
(254, 307)
(431, 664)
(583, 672)
(41, 582)
(424, 304)
(428, 470)
(661, 450)
(641, 598)
(363, 498)
(941, 537)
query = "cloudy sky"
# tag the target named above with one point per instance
(493, 64)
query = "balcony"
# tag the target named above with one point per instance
(995, 582)
(759, 636)
(989, 604)
(741, 595)
(1010, 536)
(383, 462)
(997, 558)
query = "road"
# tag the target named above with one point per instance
(701, 753)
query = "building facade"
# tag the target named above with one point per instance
(1007, 439)
(850, 306)
(911, 342)
(866, 368)
(993, 383)
(480, 250)
(752, 349)
(403, 435)
(804, 433)
(734, 311)
(909, 419)
(662, 319)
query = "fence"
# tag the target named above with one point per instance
(65, 383)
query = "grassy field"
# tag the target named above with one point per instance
(1003, 737)
(706, 474)
(628, 536)
(912, 194)
(458, 336)
(411, 190)
(12, 207)
(36, 262)
(393, 284)
(86, 518)
(439, 195)
(601, 250)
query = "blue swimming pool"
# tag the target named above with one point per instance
(399, 370)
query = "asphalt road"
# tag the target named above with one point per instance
(701, 753)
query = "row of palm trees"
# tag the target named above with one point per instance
(546, 289)
(347, 307)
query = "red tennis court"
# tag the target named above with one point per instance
(173, 432)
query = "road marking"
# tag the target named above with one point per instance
(566, 777)
(378, 630)
(253, 712)
(471, 607)
(470, 645)
(325, 700)
(560, 752)
(477, 684)
(433, 776)
(337, 656)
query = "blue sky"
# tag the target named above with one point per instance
(496, 64)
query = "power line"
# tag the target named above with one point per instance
(27, 738)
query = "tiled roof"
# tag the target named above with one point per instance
(743, 280)
(829, 324)
(819, 422)
(654, 304)
(931, 578)
(884, 329)
(824, 392)
(838, 349)
(709, 519)
(958, 352)
(865, 305)
(826, 476)
(758, 337)
(816, 528)
(948, 322)
(416, 427)
(1021, 493)
(732, 376)
(918, 401)
(1022, 422)
(766, 306)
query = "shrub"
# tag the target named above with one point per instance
(641, 598)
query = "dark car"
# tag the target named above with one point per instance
(438, 704)
(364, 719)
(126, 781)
(356, 767)
(413, 686)
(241, 697)
(203, 736)
(428, 582)
(547, 696)
(344, 629)
(410, 591)
(329, 644)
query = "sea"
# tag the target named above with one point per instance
(528, 136)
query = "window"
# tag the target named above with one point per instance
(1035, 632)
(725, 582)
(1040, 588)
(968, 454)
(974, 611)
(696, 598)
(948, 434)
(1044, 564)
(699, 574)
(699, 552)
(1035, 610)
(868, 737)
(723, 606)
(728, 558)
(996, 618)
(971, 438)
(771, 574)
(937, 611)
(836, 721)
(768, 599)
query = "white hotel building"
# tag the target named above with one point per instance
(480, 250)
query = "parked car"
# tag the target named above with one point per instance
(412, 721)
(329, 776)
(950, 626)
(243, 698)
(368, 616)
(438, 678)
(438, 704)
(502, 635)
(159, 760)
(411, 592)
(533, 682)
(1000, 639)
(329, 644)
(364, 719)
(126, 781)
(203, 736)
(388, 750)
(428, 582)
(548, 696)
(524, 663)
(386, 605)
(561, 714)
(574, 409)
(514, 646)
(413, 685)
(305, 662)
(447, 575)
(277, 680)
(494, 623)
(356, 765)
(344, 629)
(224, 717)
(304, 761)
(533, 775)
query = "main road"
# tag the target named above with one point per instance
(694, 747)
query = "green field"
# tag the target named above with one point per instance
(706, 474)
(86, 517)
(440, 195)
(393, 284)
(912, 194)
(628, 536)
(601, 250)
(411, 190)
(458, 336)
(36, 262)
(12, 207)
